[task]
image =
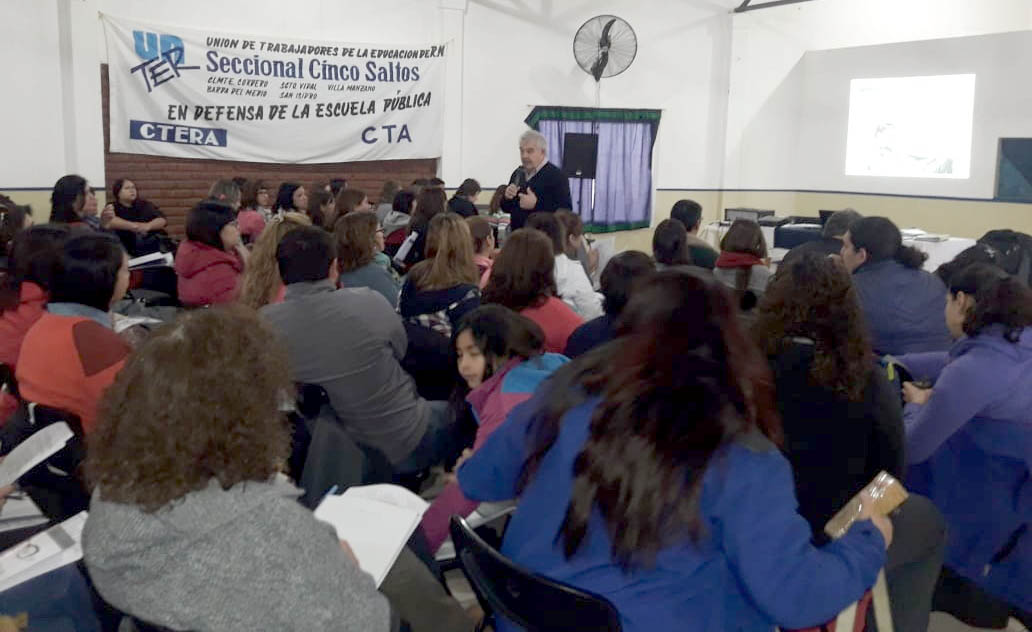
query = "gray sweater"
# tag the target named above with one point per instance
(350, 342)
(243, 559)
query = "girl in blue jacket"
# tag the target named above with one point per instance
(647, 473)
(969, 437)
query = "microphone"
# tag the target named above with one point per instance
(519, 178)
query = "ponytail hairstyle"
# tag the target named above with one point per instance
(680, 381)
(883, 241)
(1000, 299)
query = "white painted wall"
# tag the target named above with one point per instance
(786, 114)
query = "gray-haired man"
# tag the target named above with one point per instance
(536, 185)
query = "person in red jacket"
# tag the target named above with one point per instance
(209, 263)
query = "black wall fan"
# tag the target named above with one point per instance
(605, 46)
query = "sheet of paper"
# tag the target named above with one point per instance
(19, 512)
(390, 494)
(34, 451)
(57, 546)
(376, 529)
(155, 259)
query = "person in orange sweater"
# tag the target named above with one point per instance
(523, 279)
(209, 263)
(71, 355)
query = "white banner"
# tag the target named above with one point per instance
(209, 94)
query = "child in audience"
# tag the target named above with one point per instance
(572, 283)
(647, 472)
(483, 246)
(291, 197)
(618, 279)
(359, 241)
(969, 436)
(670, 245)
(743, 264)
(71, 355)
(210, 261)
(903, 304)
(68, 199)
(320, 207)
(842, 419)
(523, 279)
(499, 356)
(188, 508)
(261, 284)
(136, 221)
(445, 284)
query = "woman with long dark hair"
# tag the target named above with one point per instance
(969, 437)
(647, 472)
(429, 203)
(211, 260)
(67, 200)
(135, 221)
(743, 264)
(291, 197)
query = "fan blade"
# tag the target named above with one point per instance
(599, 66)
(604, 42)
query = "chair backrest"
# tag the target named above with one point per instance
(533, 602)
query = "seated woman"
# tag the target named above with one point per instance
(210, 261)
(348, 201)
(320, 207)
(442, 289)
(429, 203)
(842, 420)
(137, 222)
(622, 274)
(499, 356)
(291, 198)
(386, 204)
(647, 473)
(464, 202)
(68, 200)
(576, 245)
(187, 505)
(71, 355)
(743, 264)
(903, 304)
(572, 283)
(670, 245)
(261, 284)
(255, 208)
(483, 246)
(523, 279)
(969, 437)
(400, 214)
(359, 240)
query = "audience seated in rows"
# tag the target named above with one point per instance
(188, 507)
(903, 304)
(71, 355)
(291, 197)
(743, 264)
(670, 245)
(359, 242)
(137, 223)
(689, 214)
(261, 284)
(969, 436)
(209, 263)
(523, 279)
(830, 242)
(464, 201)
(842, 420)
(429, 203)
(32, 261)
(350, 342)
(647, 472)
(618, 280)
(389, 189)
(320, 206)
(499, 356)
(67, 201)
(483, 246)
(572, 283)
(443, 288)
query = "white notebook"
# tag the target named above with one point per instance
(33, 451)
(376, 521)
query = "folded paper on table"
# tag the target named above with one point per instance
(376, 521)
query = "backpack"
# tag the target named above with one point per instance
(1012, 251)
(441, 320)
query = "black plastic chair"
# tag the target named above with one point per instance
(533, 602)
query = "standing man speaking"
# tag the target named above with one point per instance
(536, 185)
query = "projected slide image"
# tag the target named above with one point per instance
(911, 127)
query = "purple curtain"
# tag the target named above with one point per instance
(623, 174)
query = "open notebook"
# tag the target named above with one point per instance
(376, 521)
